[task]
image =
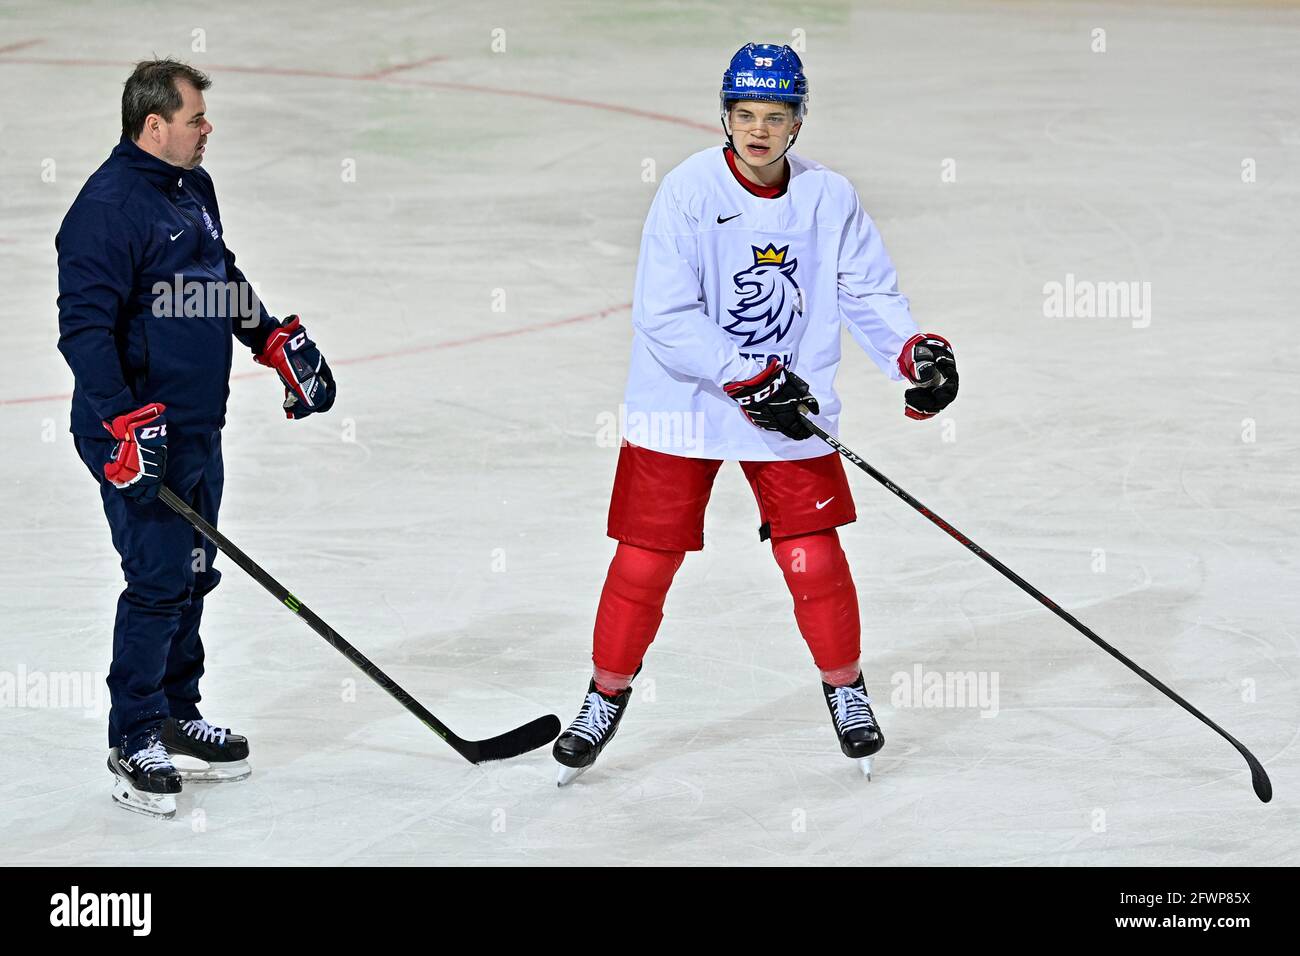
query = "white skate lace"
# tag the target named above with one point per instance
(153, 757)
(204, 731)
(594, 719)
(852, 709)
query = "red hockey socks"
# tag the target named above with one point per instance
(631, 607)
(815, 569)
(825, 601)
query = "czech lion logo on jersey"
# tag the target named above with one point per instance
(770, 299)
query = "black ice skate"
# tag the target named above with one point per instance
(146, 782)
(204, 753)
(578, 747)
(860, 735)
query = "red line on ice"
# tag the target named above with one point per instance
(20, 45)
(385, 75)
(396, 353)
(488, 336)
(400, 68)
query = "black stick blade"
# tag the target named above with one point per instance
(1259, 780)
(530, 736)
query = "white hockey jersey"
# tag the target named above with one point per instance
(726, 279)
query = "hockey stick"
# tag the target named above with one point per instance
(530, 736)
(1258, 778)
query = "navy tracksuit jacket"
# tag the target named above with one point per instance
(141, 238)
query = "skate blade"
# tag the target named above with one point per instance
(194, 770)
(161, 806)
(568, 774)
(864, 764)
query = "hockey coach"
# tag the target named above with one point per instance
(150, 303)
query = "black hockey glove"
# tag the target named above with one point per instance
(928, 362)
(771, 400)
(308, 381)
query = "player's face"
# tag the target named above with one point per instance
(183, 140)
(761, 130)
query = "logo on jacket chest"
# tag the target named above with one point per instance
(770, 298)
(209, 224)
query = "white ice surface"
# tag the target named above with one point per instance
(459, 539)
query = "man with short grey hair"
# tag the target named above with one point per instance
(150, 302)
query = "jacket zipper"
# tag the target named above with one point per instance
(204, 236)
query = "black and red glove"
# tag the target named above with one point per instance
(308, 381)
(927, 361)
(137, 463)
(771, 400)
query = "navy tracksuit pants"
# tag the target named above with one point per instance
(157, 652)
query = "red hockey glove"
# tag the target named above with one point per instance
(138, 461)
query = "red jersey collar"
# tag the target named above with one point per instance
(763, 192)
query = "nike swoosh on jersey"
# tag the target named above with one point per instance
(823, 504)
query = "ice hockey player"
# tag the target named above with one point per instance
(750, 260)
(150, 300)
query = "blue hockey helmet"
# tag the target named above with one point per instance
(765, 71)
